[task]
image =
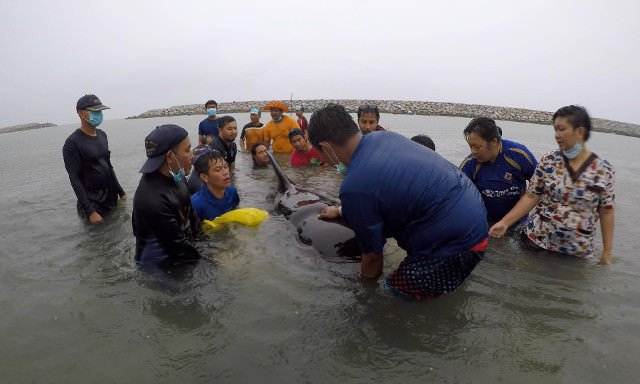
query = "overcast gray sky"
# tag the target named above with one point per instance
(138, 55)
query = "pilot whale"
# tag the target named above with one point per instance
(333, 239)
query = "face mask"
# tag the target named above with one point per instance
(95, 118)
(573, 152)
(278, 119)
(211, 112)
(177, 176)
(340, 167)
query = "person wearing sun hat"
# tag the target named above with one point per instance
(276, 131)
(87, 160)
(252, 132)
(164, 222)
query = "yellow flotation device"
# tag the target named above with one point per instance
(245, 216)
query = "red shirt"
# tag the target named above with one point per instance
(302, 123)
(310, 157)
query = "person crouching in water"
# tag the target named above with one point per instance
(393, 187)
(304, 153)
(216, 195)
(164, 222)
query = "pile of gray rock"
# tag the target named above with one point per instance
(26, 127)
(405, 107)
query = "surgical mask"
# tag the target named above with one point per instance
(95, 118)
(340, 167)
(573, 152)
(177, 176)
(211, 112)
(278, 119)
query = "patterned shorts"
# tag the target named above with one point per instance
(431, 277)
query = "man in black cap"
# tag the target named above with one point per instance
(88, 162)
(164, 222)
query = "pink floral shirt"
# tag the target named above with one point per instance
(565, 218)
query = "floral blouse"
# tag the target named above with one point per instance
(565, 218)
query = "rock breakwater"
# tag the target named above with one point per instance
(405, 107)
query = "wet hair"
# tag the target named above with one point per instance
(424, 140)
(210, 102)
(203, 162)
(295, 132)
(224, 120)
(331, 123)
(577, 117)
(368, 108)
(484, 127)
(254, 150)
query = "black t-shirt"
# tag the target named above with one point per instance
(163, 214)
(88, 163)
(229, 151)
(250, 125)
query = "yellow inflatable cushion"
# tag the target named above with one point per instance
(246, 216)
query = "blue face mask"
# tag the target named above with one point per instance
(573, 152)
(211, 112)
(179, 176)
(95, 118)
(341, 168)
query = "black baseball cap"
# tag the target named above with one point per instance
(159, 142)
(90, 103)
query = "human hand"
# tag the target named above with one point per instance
(498, 229)
(329, 213)
(123, 197)
(95, 218)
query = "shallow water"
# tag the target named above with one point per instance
(75, 309)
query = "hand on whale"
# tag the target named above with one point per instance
(330, 236)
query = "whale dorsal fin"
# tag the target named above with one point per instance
(284, 184)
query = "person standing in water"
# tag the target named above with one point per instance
(276, 131)
(499, 168)
(571, 189)
(164, 222)
(303, 154)
(302, 120)
(216, 195)
(252, 132)
(88, 162)
(208, 128)
(369, 119)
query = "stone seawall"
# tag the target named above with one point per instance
(405, 107)
(26, 127)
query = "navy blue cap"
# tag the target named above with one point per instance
(90, 103)
(295, 131)
(159, 142)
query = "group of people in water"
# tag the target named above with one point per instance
(441, 214)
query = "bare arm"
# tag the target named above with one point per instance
(607, 219)
(371, 265)
(524, 205)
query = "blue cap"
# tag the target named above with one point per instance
(90, 103)
(294, 132)
(254, 111)
(159, 142)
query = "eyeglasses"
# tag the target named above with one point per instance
(368, 108)
(201, 151)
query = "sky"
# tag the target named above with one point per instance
(138, 55)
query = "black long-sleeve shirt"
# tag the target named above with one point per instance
(163, 215)
(88, 163)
